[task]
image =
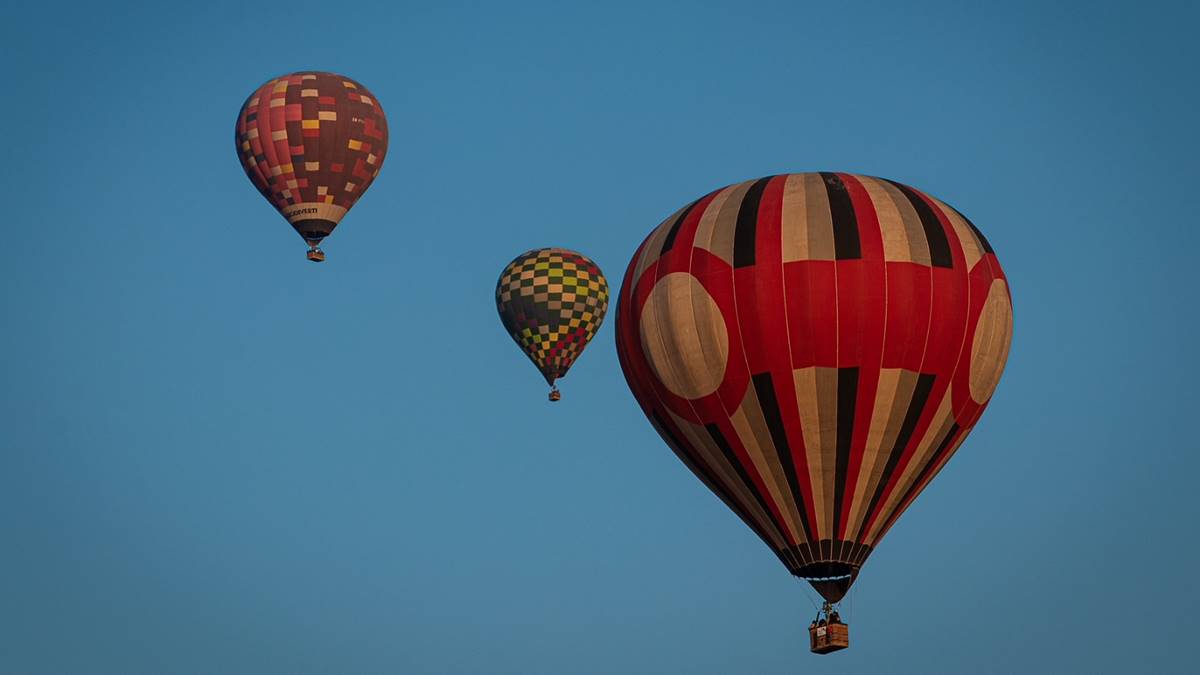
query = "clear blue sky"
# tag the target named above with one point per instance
(220, 458)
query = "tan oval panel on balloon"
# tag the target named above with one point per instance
(687, 353)
(993, 336)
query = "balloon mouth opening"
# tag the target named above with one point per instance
(827, 570)
(830, 579)
(314, 229)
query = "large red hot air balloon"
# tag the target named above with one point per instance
(312, 143)
(815, 347)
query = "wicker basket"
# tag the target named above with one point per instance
(828, 638)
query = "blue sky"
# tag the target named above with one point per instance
(219, 458)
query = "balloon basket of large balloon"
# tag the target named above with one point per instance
(555, 395)
(316, 255)
(826, 637)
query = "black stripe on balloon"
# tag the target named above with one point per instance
(925, 471)
(787, 556)
(916, 405)
(860, 555)
(715, 433)
(674, 231)
(713, 482)
(803, 556)
(745, 233)
(935, 235)
(846, 244)
(764, 388)
(847, 398)
(978, 235)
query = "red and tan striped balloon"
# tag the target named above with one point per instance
(815, 347)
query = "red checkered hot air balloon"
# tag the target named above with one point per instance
(312, 143)
(815, 347)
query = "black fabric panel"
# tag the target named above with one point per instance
(686, 455)
(715, 433)
(979, 235)
(764, 388)
(805, 554)
(916, 406)
(674, 231)
(925, 470)
(847, 399)
(745, 234)
(846, 243)
(935, 235)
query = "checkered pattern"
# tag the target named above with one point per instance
(552, 302)
(311, 138)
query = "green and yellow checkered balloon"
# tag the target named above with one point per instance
(552, 302)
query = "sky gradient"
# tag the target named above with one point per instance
(220, 458)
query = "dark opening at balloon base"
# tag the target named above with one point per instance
(831, 579)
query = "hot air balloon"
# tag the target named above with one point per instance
(312, 143)
(551, 302)
(815, 347)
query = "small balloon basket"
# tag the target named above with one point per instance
(827, 633)
(828, 638)
(316, 255)
(555, 395)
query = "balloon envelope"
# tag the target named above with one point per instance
(815, 347)
(552, 301)
(312, 143)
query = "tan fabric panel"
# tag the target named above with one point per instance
(938, 427)
(698, 438)
(894, 385)
(304, 210)
(816, 395)
(993, 338)
(650, 252)
(918, 245)
(892, 422)
(686, 348)
(718, 238)
(711, 329)
(805, 380)
(962, 436)
(972, 249)
(827, 400)
(818, 218)
(794, 219)
(752, 430)
(896, 246)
